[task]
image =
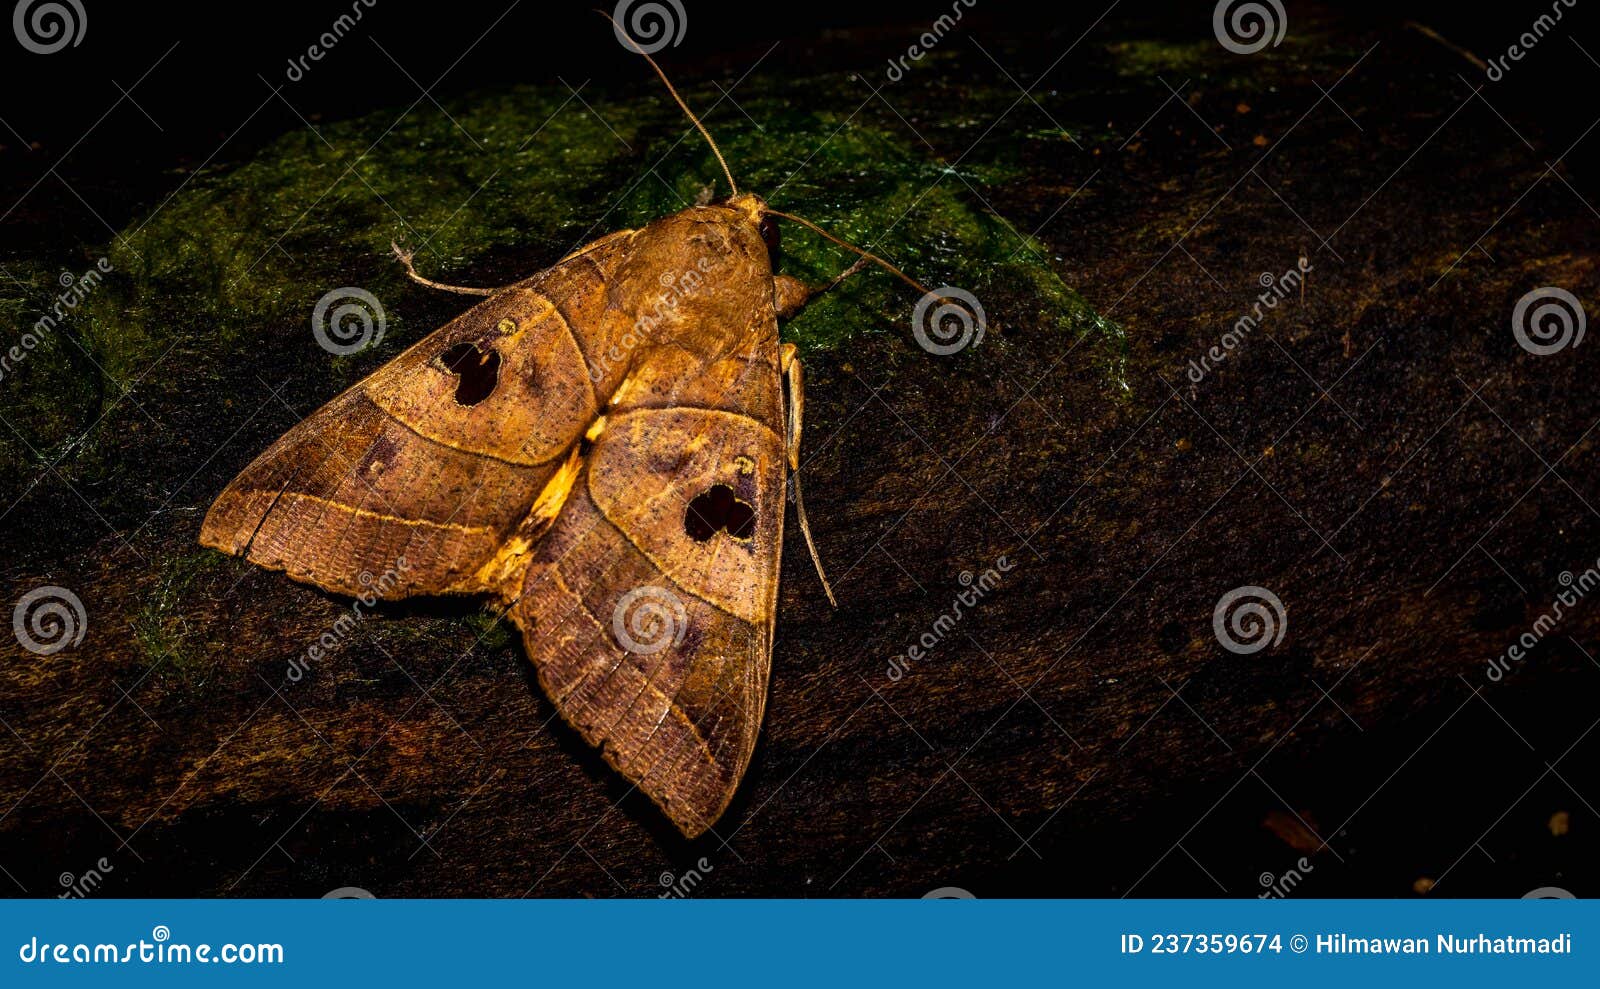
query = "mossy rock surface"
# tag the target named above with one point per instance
(490, 189)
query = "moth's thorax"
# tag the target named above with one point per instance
(700, 279)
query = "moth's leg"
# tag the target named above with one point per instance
(789, 296)
(411, 272)
(789, 364)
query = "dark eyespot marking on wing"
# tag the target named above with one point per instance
(718, 509)
(478, 370)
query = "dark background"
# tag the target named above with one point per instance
(228, 54)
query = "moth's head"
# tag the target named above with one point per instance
(751, 207)
(755, 209)
(749, 204)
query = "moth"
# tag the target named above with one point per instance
(601, 449)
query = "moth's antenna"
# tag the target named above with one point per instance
(865, 255)
(681, 104)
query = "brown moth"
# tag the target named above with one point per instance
(601, 450)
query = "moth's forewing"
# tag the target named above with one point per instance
(397, 488)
